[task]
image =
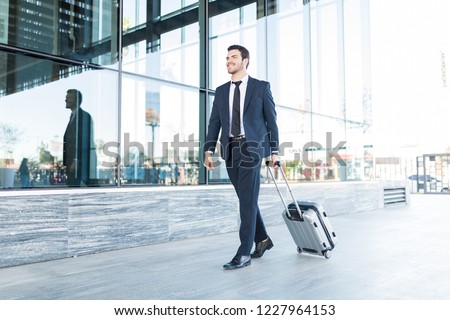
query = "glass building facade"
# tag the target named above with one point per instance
(147, 71)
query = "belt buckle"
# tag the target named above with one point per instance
(237, 138)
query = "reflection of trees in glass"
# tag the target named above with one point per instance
(9, 136)
(99, 144)
(44, 155)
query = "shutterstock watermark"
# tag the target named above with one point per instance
(329, 151)
(192, 147)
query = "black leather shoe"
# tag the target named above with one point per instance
(238, 262)
(261, 247)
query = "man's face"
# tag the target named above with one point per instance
(70, 101)
(235, 62)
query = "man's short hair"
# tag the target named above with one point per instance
(77, 94)
(243, 50)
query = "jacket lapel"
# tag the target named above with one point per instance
(250, 88)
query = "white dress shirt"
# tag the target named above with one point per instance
(243, 90)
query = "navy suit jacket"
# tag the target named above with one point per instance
(259, 119)
(79, 149)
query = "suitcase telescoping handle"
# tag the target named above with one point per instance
(278, 164)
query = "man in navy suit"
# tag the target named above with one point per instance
(244, 114)
(79, 156)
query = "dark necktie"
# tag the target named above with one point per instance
(236, 115)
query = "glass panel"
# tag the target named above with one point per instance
(285, 32)
(354, 82)
(327, 70)
(134, 13)
(287, 75)
(79, 30)
(314, 57)
(175, 58)
(326, 156)
(4, 16)
(237, 26)
(295, 132)
(224, 30)
(411, 98)
(134, 41)
(160, 133)
(219, 174)
(289, 5)
(134, 57)
(179, 56)
(170, 6)
(36, 124)
(160, 120)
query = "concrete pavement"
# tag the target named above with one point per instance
(398, 252)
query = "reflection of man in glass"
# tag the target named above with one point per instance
(79, 150)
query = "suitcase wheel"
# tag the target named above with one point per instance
(326, 253)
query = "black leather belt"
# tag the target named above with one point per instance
(238, 138)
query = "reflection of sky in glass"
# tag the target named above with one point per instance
(410, 105)
(41, 116)
(169, 6)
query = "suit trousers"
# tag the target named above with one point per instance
(244, 171)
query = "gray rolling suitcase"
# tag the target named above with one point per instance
(308, 223)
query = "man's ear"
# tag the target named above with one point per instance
(245, 61)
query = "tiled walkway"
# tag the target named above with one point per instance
(394, 253)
